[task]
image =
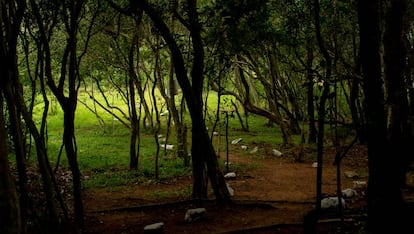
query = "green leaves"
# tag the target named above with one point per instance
(238, 25)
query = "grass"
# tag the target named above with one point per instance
(110, 179)
(103, 149)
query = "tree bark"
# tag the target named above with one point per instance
(69, 108)
(395, 54)
(202, 152)
(322, 102)
(384, 196)
(399, 134)
(10, 221)
(19, 146)
(309, 93)
(69, 75)
(133, 147)
(202, 147)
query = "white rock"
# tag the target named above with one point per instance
(231, 190)
(254, 150)
(331, 202)
(351, 174)
(164, 113)
(315, 164)
(168, 147)
(154, 226)
(243, 147)
(230, 175)
(276, 153)
(235, 141)
(347, 193)
(193, 215)
(215, 133)
(360, 184)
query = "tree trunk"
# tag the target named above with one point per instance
(50, 185)
(11, 216)
(356, 106)
(133, 151)
(399, 129)
(200, 140)
(192, 92)
(384, 196)
(10, 221)
(69, 70)
(173, 113)
(19, 149)
(208, 155)
(71, 154)
(309, 94)
(322, 106)
(179, 124)
(395, 55)
(133, 155)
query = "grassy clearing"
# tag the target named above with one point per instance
(103, 147)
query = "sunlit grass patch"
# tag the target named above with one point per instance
(103, 144)
(96, 179)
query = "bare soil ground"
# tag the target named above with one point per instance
(273, 196)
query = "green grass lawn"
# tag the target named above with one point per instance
(103, 148)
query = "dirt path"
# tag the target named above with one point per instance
(280, 180)
(275, 191)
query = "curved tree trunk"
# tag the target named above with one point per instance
(19, 150)
(202, 151)
(178, 120)
(69, 76)
(133, 144)
(50, 185)
(321, 121)
(197, 73)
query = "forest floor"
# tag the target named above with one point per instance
(273, 196)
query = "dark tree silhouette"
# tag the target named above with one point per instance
(385, 205)
(204, 158)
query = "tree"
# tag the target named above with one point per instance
(243, 37)
(204, 159)
(385, 205)
(13, 92)
(11, 215)
(67, 97)
(10, 220)
(395, 55)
